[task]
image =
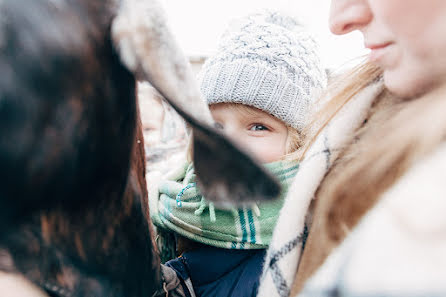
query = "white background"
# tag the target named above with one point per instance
(198, 24)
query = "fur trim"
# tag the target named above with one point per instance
(398, 134)
(403, 238)
(284, 252)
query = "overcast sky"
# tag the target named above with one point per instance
(198, 24)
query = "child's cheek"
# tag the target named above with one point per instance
(267, 149)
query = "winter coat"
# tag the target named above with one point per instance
(391, 245)
(393, 234)
(398, 247)
(285, 249)
(220, 272)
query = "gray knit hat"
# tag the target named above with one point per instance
(268, 61)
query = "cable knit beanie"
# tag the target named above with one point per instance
(268, 61)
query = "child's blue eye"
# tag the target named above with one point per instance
(258, 127)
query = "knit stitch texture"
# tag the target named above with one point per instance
(268, 61)
(178, 206)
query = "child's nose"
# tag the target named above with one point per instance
(349, 15)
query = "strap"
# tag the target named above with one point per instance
(173, 286)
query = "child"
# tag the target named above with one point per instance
(259, 87)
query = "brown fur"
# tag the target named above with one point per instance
(86, 249)
(397, 134)
(73, 197)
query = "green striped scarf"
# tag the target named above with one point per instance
(180, 208)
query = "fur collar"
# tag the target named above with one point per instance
(284, 252)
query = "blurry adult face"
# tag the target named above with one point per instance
(407, 39)
(258, 132)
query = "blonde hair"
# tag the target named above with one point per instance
(293, 144)
(382, 151)
(343, 88)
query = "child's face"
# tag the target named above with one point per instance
(254, 130)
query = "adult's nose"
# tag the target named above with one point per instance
(349, 15)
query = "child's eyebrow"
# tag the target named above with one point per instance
(258, 116)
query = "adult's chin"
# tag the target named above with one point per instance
(409, 80)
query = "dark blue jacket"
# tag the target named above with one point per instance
(217, 272)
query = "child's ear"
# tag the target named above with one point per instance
(147, 48)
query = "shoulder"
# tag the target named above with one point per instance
(398, 246)
(14, 285)
(421, 190)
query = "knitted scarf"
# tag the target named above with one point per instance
(176, 205)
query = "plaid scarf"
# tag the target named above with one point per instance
(176, 205)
